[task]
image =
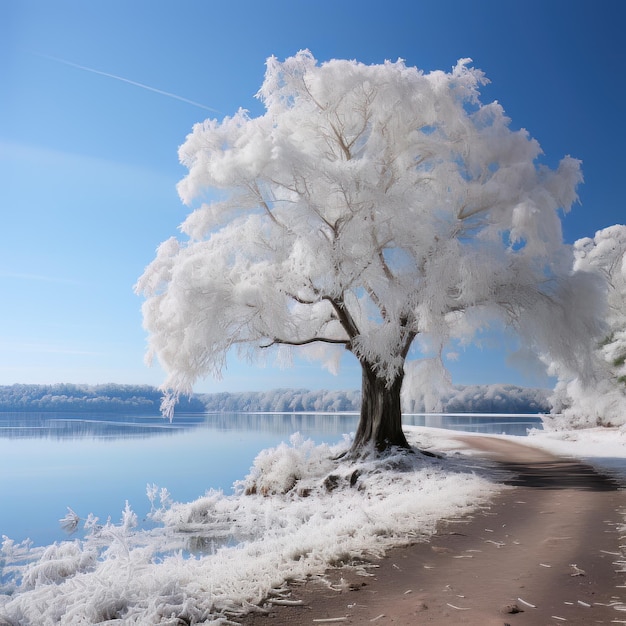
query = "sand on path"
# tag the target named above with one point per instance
(549, 550)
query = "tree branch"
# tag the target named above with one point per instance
(345, 319)
(405, 323)
(388, 273)
(304, 342)
(254, 188)
(377, 301)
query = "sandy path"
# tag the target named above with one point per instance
(553, 542)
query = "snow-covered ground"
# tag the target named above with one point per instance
(298, 511)
(604, 448)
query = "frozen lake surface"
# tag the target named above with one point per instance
(94, 463)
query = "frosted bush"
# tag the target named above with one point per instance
(577, 406)
(598, 398)
(279, 470)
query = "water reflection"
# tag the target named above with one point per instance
(324, 426)
(493, 424)
(93, 463)
(93, 425)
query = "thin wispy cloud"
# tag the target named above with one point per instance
(130, 82)
(38, 278)
(17, 346)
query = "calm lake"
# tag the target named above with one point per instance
(95, 463)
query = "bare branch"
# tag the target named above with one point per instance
(304, 342)
(345, 318)
(341, 141)
(377, 301)
(301, 300)
(462, 215)
(388, 273)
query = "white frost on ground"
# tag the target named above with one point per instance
(298, 511)
(604, 448)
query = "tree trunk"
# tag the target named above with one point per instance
(380, 425)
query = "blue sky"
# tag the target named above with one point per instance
(88, 162)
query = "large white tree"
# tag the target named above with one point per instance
(599, 399)
(371, 208)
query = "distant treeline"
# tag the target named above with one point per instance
(94, 398)
(145, 399)
(498, 398)
(459, 399)
(282, 400)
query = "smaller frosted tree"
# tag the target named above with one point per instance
(371, 208)
(599, 399)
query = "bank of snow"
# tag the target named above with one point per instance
(604, 448)
(208, 561)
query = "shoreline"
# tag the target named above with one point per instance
(545, 551)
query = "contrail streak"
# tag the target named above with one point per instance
(130, 82)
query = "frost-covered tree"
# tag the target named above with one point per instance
(600, 400)
(371, 208)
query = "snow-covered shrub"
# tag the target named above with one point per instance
(279, 470)
(598, 399)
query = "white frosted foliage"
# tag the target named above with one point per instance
(368, 207)
(599, 398)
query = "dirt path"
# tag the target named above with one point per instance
(546, 552)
